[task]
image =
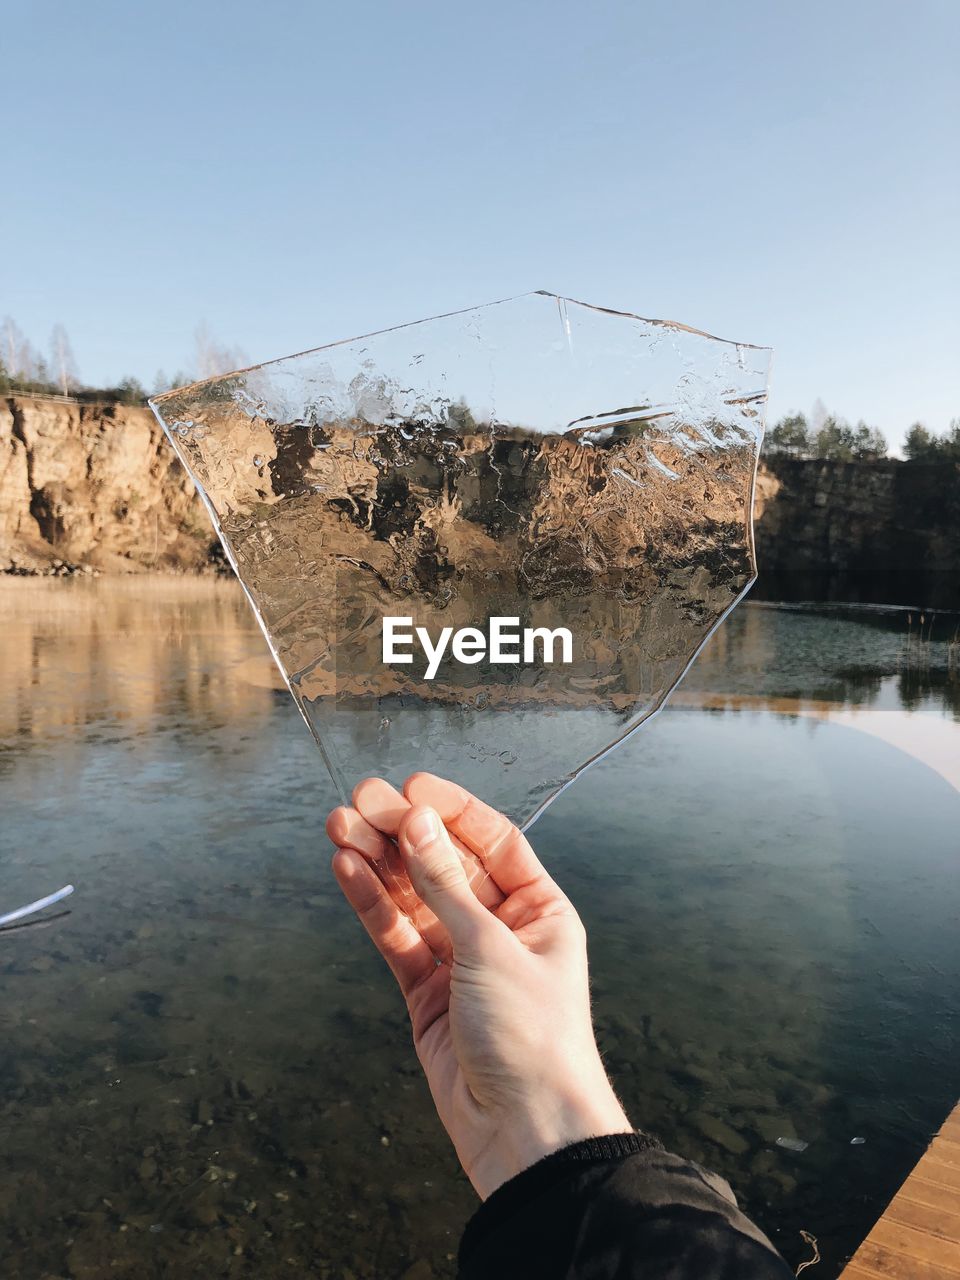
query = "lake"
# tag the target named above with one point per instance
(206, 1070)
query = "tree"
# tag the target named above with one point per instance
(62, 361)
(210, 358)
(162, 382)
(818, 415)
(20, 360)
(869, 443)
(460, 418)
(790, 436)
(920, 445)
(835, 440)
(130, 391)
(13, 346)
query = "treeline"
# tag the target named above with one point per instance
(31, 370)
(922, 445)
(794, 437)
(53, 371)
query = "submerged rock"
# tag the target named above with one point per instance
(419, 1270)
(719, 1132)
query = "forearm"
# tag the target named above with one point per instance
(616, 1206)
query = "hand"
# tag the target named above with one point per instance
(494, 975)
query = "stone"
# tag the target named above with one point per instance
(204, 1213)
(419, 1270)
(720, 1133)
(772, 1127)
(764, 1163)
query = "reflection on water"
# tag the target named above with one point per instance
(205, 1069)
(890, 658)
(920, 587)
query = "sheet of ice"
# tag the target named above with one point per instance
(537, 459)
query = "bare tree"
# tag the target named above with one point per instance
(61, 360)
(818, 416)
(9, 353)
(210, 358)
(18, 356)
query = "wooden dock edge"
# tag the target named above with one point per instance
(918, 1237)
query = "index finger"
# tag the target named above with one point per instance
(383, 808)
(394, 935)
(501, 846)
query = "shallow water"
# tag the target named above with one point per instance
(205, 1069)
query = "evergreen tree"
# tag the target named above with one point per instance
(835, 440)
(869, 443)
(790, 436)
(920, 445)
(130, 391)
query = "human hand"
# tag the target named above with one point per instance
(494, 975)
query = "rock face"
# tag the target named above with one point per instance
(96, 485)
(860, 521)
(100, 485)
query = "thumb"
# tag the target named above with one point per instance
(439, 877)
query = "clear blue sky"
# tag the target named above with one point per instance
(293, 173)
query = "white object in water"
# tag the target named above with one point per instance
(793, 1144)
(33, 907)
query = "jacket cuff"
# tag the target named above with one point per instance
(528, 1184)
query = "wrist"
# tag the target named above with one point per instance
(554, 1120)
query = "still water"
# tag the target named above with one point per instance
(206, 1072)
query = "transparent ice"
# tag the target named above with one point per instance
(537, 458)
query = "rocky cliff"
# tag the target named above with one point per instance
(99, 486)
(882, 531)
(93, 485)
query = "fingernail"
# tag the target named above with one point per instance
(422, 829)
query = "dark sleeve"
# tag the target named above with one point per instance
(615, 1208)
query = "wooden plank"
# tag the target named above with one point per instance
(933, 1194)
(916, 1243)
(935, 1170)
(935, 1222)
(883, 1264)
(947, 1151)
(918, 1238)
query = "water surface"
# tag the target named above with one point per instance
(206, 1071)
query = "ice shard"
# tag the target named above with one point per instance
(486, 544)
